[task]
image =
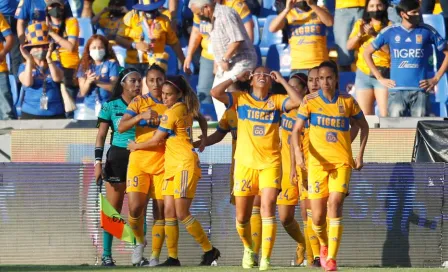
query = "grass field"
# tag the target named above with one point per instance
(196, 269)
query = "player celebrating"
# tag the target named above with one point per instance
(182, 169)
(330, 156)
(257, 155)
(146, 167)
(126, 88)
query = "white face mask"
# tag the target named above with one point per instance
(97, 54)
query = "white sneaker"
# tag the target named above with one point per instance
(154, 262)
(137, 255)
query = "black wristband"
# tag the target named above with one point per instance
(99, 153)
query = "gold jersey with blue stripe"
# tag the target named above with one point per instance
(329, 132)
(258, 145)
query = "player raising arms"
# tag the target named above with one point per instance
(257, 155)
(146, 167)
(125, 89)
(182, 169)
(330, 156)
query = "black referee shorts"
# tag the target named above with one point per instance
(116, 166)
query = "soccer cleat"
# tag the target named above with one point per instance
(154, 261)
(142, 263)
(107, 261)
(323, 256)
(170, 262)
(137, 255)
(265, 264)
(248, 259)
(300, 252)
(331, 265)
(256, 258)
(316, 262)
(210, 256)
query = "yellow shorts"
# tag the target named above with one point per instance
(289, 195)
(323, 182)
(141, 182)
(249, 182)
(303, 184)
(182, 185)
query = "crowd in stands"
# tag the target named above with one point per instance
(60, 58)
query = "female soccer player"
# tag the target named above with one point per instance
(257, 155)
(330, 156)
(125, 89)
(146, 167)
(182, 169)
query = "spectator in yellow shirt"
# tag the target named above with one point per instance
(308, 29)
(145, 35)
(346, 14)
(368, 88)
(110, 18)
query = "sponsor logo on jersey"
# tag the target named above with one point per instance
(408, 40)
(407, 65)
(397, 39)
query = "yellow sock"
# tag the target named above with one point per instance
(269, 231)
(255, 226)
(136, 225)
(195, 230)
(335, 236)
(158, 236)
(171, 236)
(309, 251)
(244, 233)
(321, 233)
(314, 242)
(293, 229)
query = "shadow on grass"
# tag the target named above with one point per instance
(60, 268)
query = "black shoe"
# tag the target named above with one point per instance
(316, 262)
(170, 262)
(210, 256)
(143, 262)
(107, 261)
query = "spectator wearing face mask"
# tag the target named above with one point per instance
(110, 18)
(97, 74)
(410, 45)
(145, 32)
(40, 76)
(307, 24)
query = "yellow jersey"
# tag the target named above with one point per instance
(179, 154)
(329, 133)
(110, 25)
(68, 59)
(306, 141)
(159, 30)
(380, 58)
(307, 34)
(153, 159)
(258, 145)
(288, 120)
(5, 30)
(205, 28)
(340, 4)
(229, 123)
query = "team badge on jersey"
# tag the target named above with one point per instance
(419, 39)
(270, 104)
(341, 109)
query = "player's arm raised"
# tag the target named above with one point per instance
(296, 142)
(219, 92)
(361, 122)
(294, 97)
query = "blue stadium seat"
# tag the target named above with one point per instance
(268, 38)
(193, 80)
(436, 21)
(120, 52)
(85, 30)
(442, 95)
(14, 90)
(330, 38)
(256, 30)
(259, 60)
(267, 9)
(279, 59)
(208, 110)
(173, 66)
(185, 50)
(18, 106)
(346, 80)
(100, 31)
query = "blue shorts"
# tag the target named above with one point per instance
(364, 81)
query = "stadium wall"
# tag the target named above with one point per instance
(394, 216)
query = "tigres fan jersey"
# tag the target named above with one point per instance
(288, 120)
(329, 135)
(68, 59)
(306, 141)
(179, 154)
(160, 32)
(380, 58)
(258, 129)
(5, 31)
(307, 34)
(154, 158)
(206, 27)
(350, 3)
(110, 25)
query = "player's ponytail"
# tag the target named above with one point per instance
(189, 96)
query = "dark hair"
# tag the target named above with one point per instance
(303, 79)
(314, 68)
(334, 67)
(189, 96)
(155, 67)
(87, 60)
(384, 19)
(118, 3)
(407, 5)
(117, 90)
(67, 14)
